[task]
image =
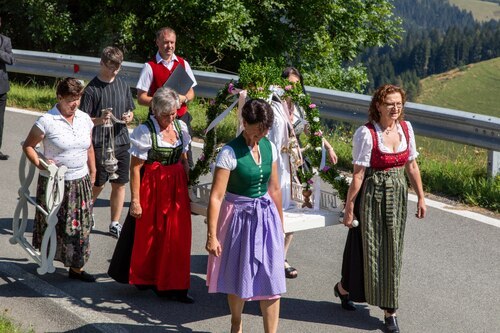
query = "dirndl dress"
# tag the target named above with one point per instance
(249, 231)
(372, 261)
(155, 249)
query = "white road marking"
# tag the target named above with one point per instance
(461, 212)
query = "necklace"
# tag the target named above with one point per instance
(388, 130)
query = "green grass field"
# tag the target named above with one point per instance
(474, 88)
(481, 10)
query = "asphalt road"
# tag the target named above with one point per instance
(450, 280)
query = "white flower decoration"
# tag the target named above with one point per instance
(316, 119)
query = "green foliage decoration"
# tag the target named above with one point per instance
(305, 178)
(215, 108)
(260, 79)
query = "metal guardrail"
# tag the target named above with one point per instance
(85, 68)
(441, 123)
(430, 121)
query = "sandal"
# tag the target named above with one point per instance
(290, 272)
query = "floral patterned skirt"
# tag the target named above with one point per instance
(74, 221)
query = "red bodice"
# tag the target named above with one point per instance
(383, 161)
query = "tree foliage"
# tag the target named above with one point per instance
(320, 37)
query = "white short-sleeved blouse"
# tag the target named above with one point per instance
(363, 144)
(65, 143)
(140, 139)
(226, 159)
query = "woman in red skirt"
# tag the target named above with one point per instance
(159, 221)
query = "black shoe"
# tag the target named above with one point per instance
(290, 272)
(3, 157)
(346, 303)
(144, 286)
(187, 299)
(391, 324)
(83, 276)
(175, 295)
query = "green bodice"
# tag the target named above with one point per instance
(250, 179)
(164, 155)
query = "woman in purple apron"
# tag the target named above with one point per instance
(245, 229)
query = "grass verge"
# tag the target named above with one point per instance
(8, 326)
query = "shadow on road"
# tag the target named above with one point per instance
(154, 328)
(6, 226)
(154, 314)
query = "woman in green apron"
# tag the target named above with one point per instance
(383, 149)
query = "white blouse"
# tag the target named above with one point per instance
(299, 122)
(363, 144)
(140, 139)
(226, 159)
(278, 133)
(65, 143)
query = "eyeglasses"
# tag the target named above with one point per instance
(392, 106)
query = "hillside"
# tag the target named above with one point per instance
(439, 36)
(474, 88)
(481, 10)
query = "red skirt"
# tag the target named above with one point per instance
(162, 240)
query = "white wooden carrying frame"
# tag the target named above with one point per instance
(55, 192)
(296, 219)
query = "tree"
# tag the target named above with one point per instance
(41, 25)
(321, 37)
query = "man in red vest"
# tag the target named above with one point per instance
(157, 71)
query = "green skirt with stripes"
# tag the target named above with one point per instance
(383, 209)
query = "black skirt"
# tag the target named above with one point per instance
(352, 263)
(120, 262)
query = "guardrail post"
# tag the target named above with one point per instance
(493, 163)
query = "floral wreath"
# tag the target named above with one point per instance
(263, 89)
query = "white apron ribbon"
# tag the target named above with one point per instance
(221, 117)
